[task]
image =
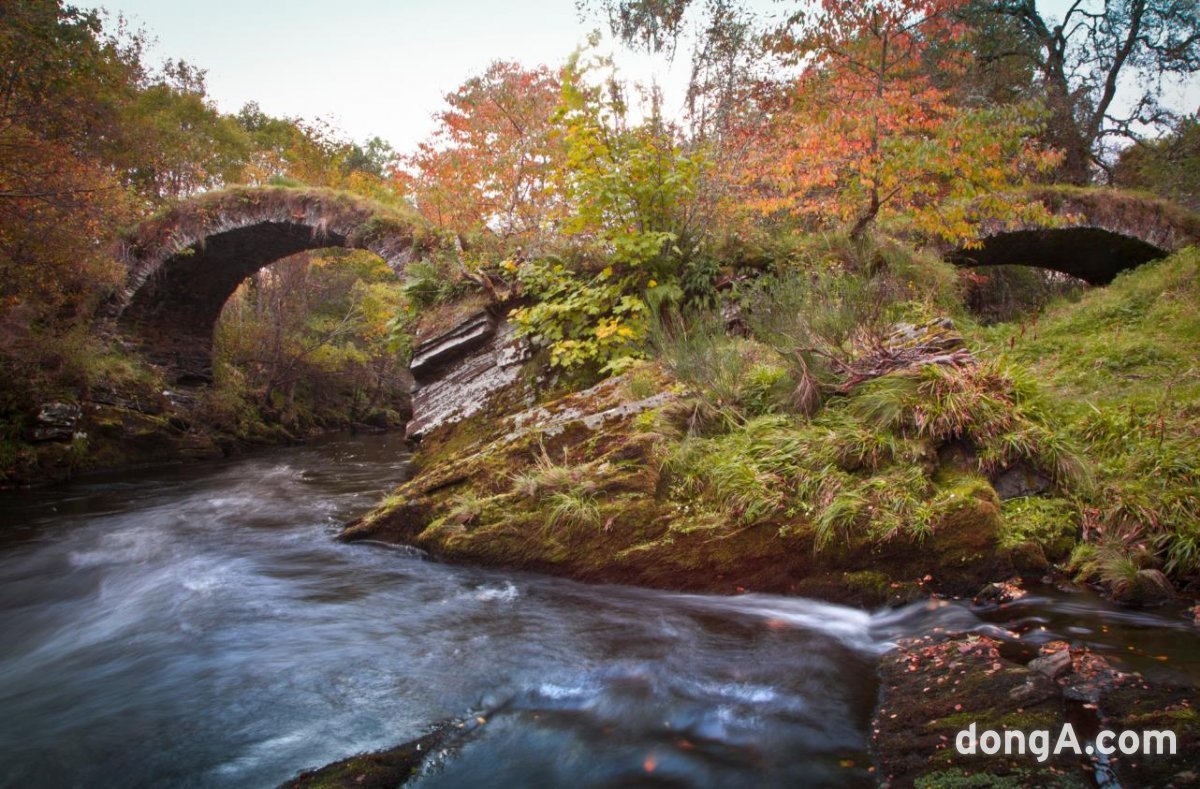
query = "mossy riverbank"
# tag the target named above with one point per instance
(938, 476)
(120, 414)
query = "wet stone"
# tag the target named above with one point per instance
(1053, 665)
(56, 422)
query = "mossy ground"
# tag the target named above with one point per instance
(705, 477)
(1120, 367)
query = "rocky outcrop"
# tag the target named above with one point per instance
(457, 371)
(937, 688)
(1020, 480)
(55, 422)
(435, 353)
(109, 430)
(576, 486)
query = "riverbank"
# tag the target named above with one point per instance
(138, 423)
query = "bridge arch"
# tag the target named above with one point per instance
(1099, 234)
(182, 267)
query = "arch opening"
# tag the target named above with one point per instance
(306, 342)
(1091, 254)
(175, 311)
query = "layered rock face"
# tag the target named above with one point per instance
(456, 371)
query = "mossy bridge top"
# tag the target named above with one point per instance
(1097, 234)
(183, 265)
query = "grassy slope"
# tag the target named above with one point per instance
(1099, 398)
(1123, 368)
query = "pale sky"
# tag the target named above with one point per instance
(381, 67)
(370, 67)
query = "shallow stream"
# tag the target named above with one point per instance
(198, 626)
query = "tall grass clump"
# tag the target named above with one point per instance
(567, 493)
(994, 405)
(1128, 568)
(734, 377)
(832, 477)
(812, 320)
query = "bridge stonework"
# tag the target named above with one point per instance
(182, 267)
(1099, 233)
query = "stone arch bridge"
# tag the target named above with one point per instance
(1098, 234)
(183, 266)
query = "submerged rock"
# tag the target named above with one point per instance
(384, 769)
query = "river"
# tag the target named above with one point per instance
(198, 626)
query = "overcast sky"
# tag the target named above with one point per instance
(378, 67)
(371, 67)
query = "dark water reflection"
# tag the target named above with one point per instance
(198, 627)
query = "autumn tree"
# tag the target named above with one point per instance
(865, 133)
(64, 86)
(177, 142)
(629, 192)
(488, 162)
(294, 151)
(1101, 68)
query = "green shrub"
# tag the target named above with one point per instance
(426, 283)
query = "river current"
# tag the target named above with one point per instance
(199, 626)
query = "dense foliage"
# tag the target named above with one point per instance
(94, 139)
(770, 252)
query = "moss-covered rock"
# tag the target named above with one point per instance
(935, 686)
(584, 485)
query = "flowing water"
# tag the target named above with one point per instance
(198, 626)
